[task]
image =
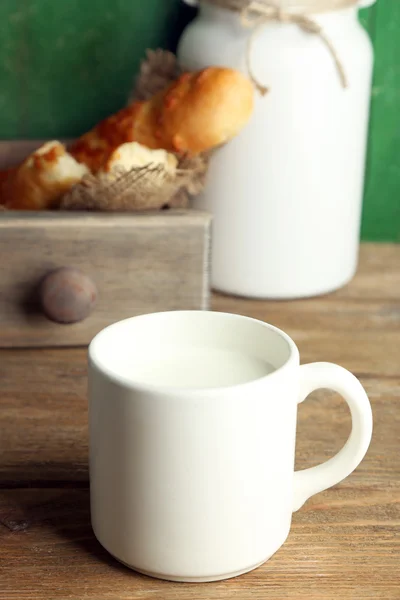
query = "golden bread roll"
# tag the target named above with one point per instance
(131, 155)
(196, 113)
(4, 176)
(42, 179)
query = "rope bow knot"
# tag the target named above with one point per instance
(258, 14)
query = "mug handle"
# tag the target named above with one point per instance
(317, 479)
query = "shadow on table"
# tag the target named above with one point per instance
(48, 501)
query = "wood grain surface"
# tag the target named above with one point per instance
(139, 263)
(344, 542)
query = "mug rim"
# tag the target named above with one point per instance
(131, 384)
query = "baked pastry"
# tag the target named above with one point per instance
(41, 180)
(6, 173)
(133, 155)
(196, 113)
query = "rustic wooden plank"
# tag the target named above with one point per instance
(44, 420)
(140, 263)
(349, 332)
(344, 542)
(357, 326)
(340, 548)
(44, 415)
(378, 274)
(377, 278)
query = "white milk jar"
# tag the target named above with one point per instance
(286, 194)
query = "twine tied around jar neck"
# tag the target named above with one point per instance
(255, 14)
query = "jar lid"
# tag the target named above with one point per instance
(319, 5)
(256, 13)
(307, 6)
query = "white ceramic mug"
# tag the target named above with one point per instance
(192, 441)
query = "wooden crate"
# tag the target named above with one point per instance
(139, 263)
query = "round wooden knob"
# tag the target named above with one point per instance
(67, 295)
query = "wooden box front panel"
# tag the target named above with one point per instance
(140, 263)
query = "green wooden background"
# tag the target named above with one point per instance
(64, 64)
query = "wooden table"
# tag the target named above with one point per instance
(344, 542)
